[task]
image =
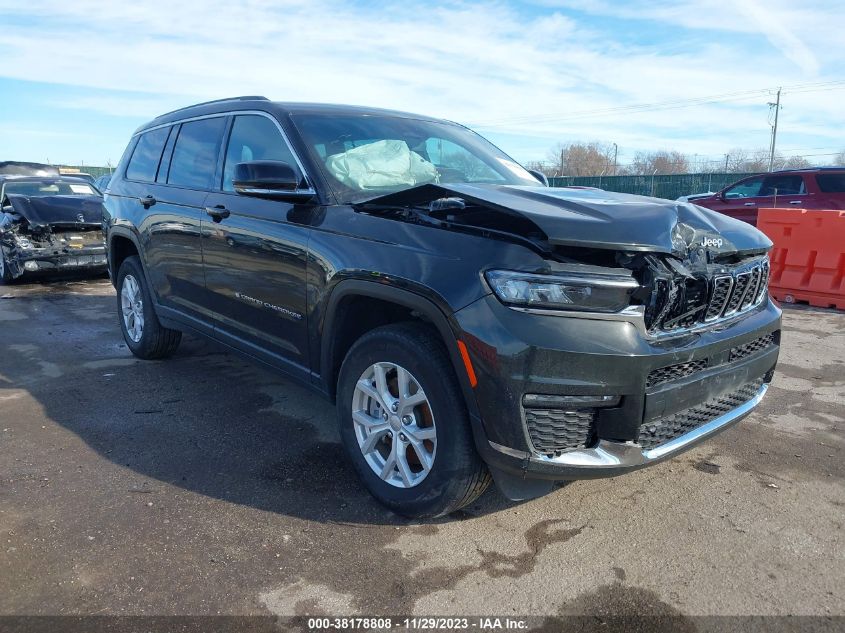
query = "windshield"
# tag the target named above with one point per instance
(366, 156)
(49, 188)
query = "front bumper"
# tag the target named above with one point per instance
(35, 261)
(516, 353)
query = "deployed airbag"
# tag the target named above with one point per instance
(381, 165)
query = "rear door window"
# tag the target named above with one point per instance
(831, 183)
(145, 159)
(254, 137)
(194, 158)
(782, 186)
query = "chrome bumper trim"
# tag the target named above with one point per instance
(610, 456)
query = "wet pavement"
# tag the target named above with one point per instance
(204, 484)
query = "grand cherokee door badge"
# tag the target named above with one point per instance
(269, 306)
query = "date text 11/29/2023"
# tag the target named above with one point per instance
(418, 624)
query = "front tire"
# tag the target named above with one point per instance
(404, 423)
(146, 337)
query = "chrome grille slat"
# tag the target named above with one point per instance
(765, 267)
(753, 286)
(722, 288)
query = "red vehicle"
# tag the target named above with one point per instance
(818, 188)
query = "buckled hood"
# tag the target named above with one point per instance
(78, 211)
(601, 219)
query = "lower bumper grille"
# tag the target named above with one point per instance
(674, 372)
(662, 430)
(556, 430)
(742, 351)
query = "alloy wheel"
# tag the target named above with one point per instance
(132, 308)
(394, 425)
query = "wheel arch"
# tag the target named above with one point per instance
(332, 354)
(122, 243)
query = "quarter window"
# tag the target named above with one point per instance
(145, 159)
(254, 137)
(195, 154)
(831, 183)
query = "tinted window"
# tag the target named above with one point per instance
(195, 154)
(782, 186)
(747, 189)
(254, 137)
(831, 183)
(144, 162)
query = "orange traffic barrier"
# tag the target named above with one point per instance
(808, 259)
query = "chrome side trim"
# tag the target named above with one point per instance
(615, 456)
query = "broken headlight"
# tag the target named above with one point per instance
(586, 293)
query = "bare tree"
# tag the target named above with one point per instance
(793, 162)
(549, 169)
(662, 162)
(839, 159)
(582, 159)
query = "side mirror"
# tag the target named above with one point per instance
(269, 179)
(539, 176)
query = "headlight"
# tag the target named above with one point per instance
(586, 293)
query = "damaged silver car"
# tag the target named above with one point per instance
(48, 223)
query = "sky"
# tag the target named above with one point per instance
(77, 78)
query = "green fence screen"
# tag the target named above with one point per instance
(669, 186)
(89, 169)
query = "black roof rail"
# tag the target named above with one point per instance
(204, 103)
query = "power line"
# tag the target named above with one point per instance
(664, 105)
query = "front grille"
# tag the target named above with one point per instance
(556, 430)
(742, 351)
(662, 430)
(674, 372)
(694, 301)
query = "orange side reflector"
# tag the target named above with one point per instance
(468, 364)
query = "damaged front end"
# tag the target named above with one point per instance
(51, 234)
(669, 267)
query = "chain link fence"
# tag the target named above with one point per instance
(666, 186)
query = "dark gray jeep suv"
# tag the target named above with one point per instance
(469, 322)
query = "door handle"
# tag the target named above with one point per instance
(795, 202)
(218, 212)
(147, 201)
(750, 204)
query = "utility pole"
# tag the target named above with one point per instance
(562, 151)
(615, 154)
(776, 106)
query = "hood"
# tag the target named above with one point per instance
(601, 219)
(77, 211)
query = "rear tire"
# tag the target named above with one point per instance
(146, 337)
(433, 469)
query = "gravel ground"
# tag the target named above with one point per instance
(206, 485)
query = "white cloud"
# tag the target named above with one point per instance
(470, 63)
